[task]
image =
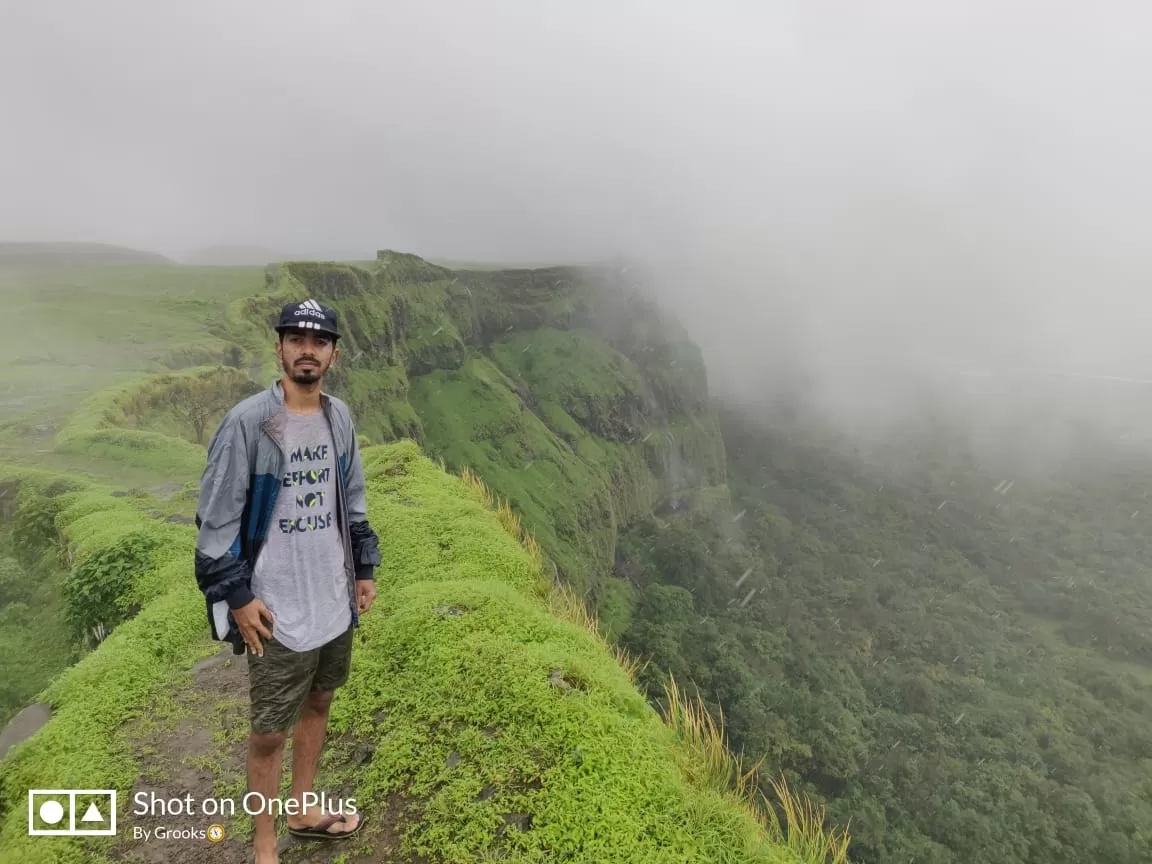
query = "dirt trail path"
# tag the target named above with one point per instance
(23, 726)
(198, 748)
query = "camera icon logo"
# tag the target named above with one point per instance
(71, 812)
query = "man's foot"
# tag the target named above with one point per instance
(262, 857)
(325, 827)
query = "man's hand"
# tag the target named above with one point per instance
(248, 619)
(365, 594)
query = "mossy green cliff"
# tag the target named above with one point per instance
(567, 390)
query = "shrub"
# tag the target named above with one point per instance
(96, 592)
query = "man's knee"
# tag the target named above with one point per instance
(319, 700)
(267, 743)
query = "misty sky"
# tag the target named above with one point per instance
(912, 182)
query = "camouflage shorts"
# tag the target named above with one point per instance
(280, 681)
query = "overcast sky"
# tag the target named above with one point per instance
(907, 181)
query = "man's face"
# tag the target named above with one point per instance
(306, 355)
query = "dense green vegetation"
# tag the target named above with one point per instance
(963, 674)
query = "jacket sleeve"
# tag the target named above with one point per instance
(221, 571)
(365, 543)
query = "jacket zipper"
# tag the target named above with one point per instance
(345, 531)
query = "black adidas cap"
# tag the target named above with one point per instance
(308, 315)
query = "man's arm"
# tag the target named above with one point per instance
(365, 543)
(221, 571)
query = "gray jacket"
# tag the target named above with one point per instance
(238, 492)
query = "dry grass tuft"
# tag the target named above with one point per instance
(803, 829)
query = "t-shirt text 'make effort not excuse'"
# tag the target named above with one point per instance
(300, 573)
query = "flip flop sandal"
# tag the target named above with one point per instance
(320, 831)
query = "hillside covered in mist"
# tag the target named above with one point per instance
(954, 658)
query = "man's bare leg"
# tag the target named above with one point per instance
(265, 752)
(307, 742)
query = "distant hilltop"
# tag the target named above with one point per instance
(71, 254)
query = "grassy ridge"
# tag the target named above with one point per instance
(468, 644)
(463, 654)
(100, 430)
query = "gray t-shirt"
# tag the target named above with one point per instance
(300, 573)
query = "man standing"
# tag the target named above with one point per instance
(285, 558)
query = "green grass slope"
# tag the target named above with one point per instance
(463, 655)
(83, 326)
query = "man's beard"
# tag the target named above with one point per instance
(304, 375)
